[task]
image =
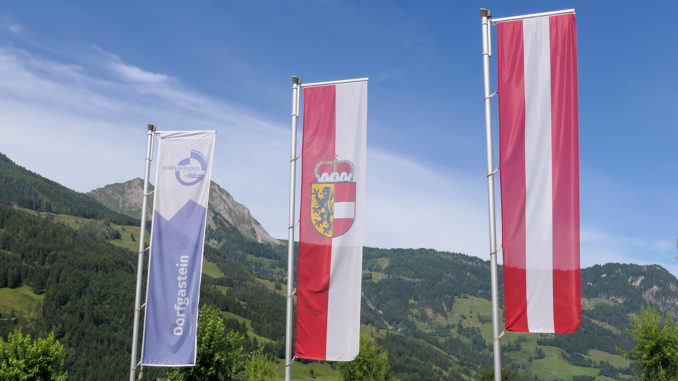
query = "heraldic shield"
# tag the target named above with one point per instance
(333, 198)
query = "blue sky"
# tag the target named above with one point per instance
(80, 80)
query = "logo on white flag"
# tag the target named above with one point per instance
(191, 170)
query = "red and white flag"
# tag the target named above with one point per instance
(331, 222)
(539, 166)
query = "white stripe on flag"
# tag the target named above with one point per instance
(344, 209)
(343, 305)
(538, 176)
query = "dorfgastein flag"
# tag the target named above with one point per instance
(177, 242)
(539, 166)
(331, 222)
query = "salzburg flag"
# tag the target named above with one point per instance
(331, 222)
(177, 240)
(539, 166)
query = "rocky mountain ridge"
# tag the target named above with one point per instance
(223, 209)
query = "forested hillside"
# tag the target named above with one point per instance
(29, 190)
(433, 310)
(430, 310)
(86, 288)
(56, 278)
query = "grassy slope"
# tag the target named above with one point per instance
(471, 311)
(20, 301)
(468, 311)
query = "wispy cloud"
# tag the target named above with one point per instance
(134, 74)
(598, 246)
(85, 130)
(15, 28)
(83, 125)
(90, 131)
(129, 73)
(411, 204)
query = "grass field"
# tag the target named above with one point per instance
(553, 367)
(126, 233)
(19, 301)
(616, 361)
(211, 269)
(312, 370)
(129, 235)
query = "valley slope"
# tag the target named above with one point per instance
(72, 273)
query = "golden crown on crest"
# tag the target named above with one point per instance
(335, 171)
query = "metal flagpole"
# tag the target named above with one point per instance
(142, 249)
(296, 82)
(487, 52)
(328, 83)
(532, 15)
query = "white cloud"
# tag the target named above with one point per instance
(598, 246)
(15, 28)
(410, 204)
(85, 131)
(134, 74)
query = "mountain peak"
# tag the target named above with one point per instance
(124, 197)
(222, 204)
(223, 208)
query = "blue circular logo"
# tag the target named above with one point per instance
(191, 170)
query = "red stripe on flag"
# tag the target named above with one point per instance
(344, 192)
(341, 226)
(512, 164)
(315, 250)
(565, 152)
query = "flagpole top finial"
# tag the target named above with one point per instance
(484, 12)
(296, 80)
(151, 127)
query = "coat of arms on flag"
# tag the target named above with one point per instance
(333, 198)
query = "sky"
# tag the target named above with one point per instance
(79, 81)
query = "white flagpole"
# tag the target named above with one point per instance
(487, 51)
(296, 82)
(142, 250)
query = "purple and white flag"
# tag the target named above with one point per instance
(177, 240)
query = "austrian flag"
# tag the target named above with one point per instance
(539, 166)
(331, 222)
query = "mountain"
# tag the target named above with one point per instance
(223, 210)
(29, 190)
(124, 197)
(222, 207)
(429, 309)
(433, 314)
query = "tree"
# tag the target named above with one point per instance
(655, 349)
(22, 360)
(258, 367)
(370, 365)
(221, 355)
